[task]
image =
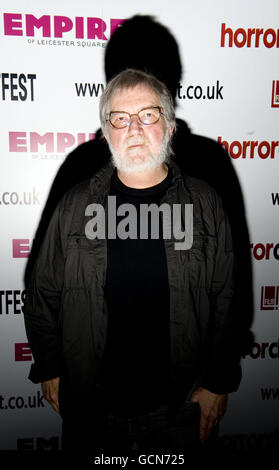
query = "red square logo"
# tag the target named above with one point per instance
(269, 297)
(275, 94)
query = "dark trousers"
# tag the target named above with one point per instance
(158, 432)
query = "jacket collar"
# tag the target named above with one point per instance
(100, 182)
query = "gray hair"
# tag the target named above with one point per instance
(130, 78)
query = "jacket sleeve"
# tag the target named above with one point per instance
(221, 371)
(42, 304)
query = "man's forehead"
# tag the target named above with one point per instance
(135, 95)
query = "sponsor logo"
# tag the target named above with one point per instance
(275, 94)
(250, 148)
(17, 87)
(252, 37)
(11, 301)
(21, 247)
(275, 199)
(269, 297)
(264, 350)
(38, 443)
(89, 89)
(197, 92)
(252, 442)
(271, 393)
(31, 401)
(26, 198)
(265, 251)
(22, 352)
(57, 42)
(48, 142)
(49, 26)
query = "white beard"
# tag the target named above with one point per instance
(131, 165)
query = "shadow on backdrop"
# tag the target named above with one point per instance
(142, 43)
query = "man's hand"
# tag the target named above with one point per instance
(213, 408)
(50, 390)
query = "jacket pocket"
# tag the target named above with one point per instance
(84, 259)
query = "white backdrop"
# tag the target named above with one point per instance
(47, 110)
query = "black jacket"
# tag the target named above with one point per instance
(65, 309)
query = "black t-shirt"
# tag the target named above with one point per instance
(137, 354)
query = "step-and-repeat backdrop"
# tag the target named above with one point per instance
(51, 78)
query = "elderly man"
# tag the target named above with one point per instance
(133, 336)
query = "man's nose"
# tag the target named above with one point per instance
(135, 124)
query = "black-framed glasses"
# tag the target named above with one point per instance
(146, 116)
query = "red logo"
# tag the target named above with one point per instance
(265, 251)
(17, 24)
(22, 352)
(21, 247)
(269, 297)
(252, 37)
(264, 350)
(275, 94)
(250, 148)
(48, 142)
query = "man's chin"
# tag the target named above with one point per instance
(135, 164)
(138, 166)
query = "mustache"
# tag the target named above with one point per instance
(137, 141)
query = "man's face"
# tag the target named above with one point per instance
(137, 147)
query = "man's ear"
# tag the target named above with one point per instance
(105, 135)
(171, 129)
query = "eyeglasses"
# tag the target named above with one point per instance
(146, 116)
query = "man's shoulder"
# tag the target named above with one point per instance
(74, 195)
(201, 190)
(79, 194)
(198, 185)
